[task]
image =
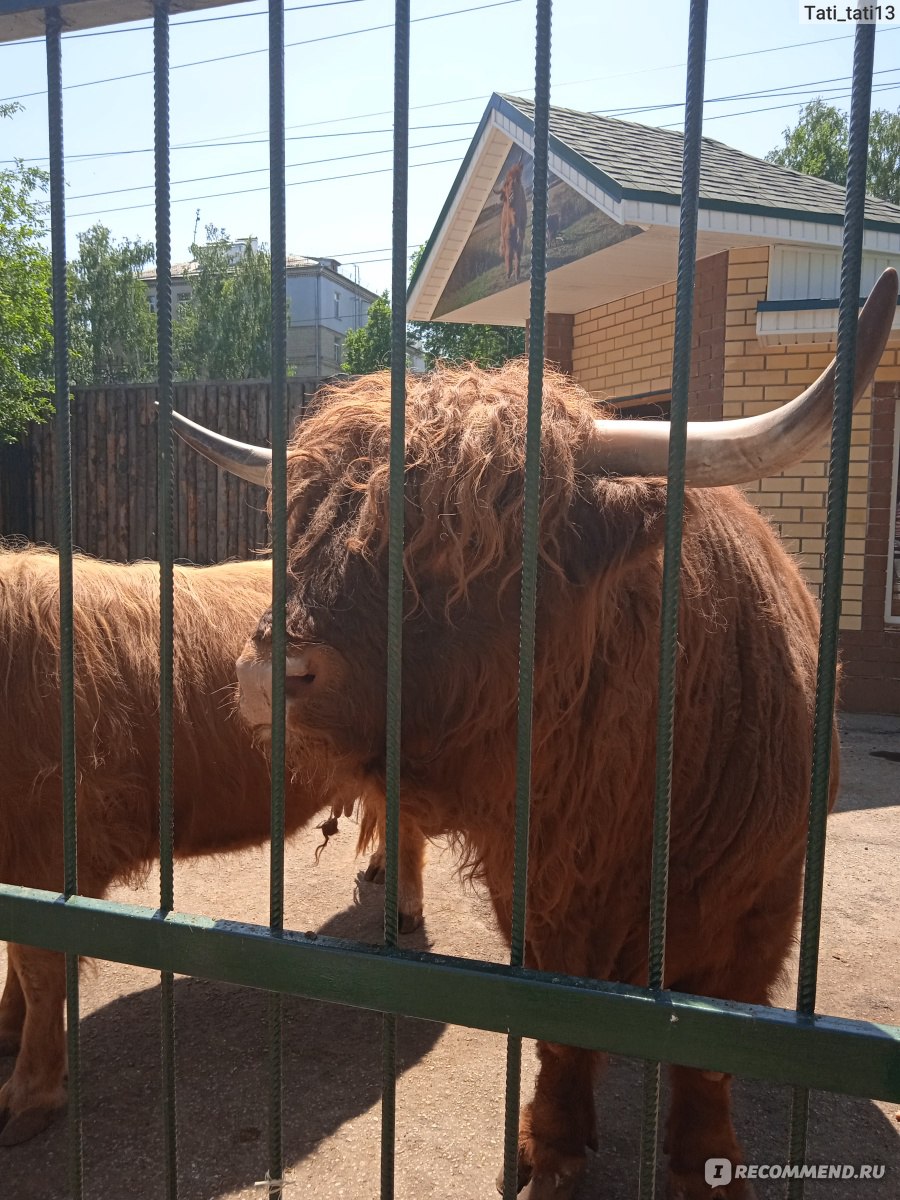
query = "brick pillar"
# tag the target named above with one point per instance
(558, 328)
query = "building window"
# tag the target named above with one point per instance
(337, 350)
(182, 298)
(892, 606)
(337, 304)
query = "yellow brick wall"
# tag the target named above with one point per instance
(625, 346)
(758, 378)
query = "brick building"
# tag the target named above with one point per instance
(765, 318)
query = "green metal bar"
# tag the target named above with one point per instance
(833, 566)
(853, 1057)
(668, 649)
(279, 419)
(528, 597)
(394, 680)
(62, 402)
(164, 535)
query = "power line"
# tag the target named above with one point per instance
(798, 89)
(771, 93)
(247, 191)
(325, 37)
(387, 170)
(241, 139)
(313, 162)
(139, 27)
(880, 87)
(301, 137)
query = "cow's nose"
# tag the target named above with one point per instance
(254, 675)
(305, 671)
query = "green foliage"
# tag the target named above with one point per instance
(818, 145)
(369, 349)
(484, 345)
(112, 331)
(883, 172)
(26, 339)
(224, 331)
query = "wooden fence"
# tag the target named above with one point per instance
(114, 474)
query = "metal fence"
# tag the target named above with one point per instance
(795, 1047)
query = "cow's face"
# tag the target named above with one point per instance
(462, 559)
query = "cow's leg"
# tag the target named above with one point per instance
(558, 1125)
(410, 885)
(699, 1129)
(35, 1092)
(700, 1125)
(12, 1010)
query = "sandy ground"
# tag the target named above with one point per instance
(450, 1090)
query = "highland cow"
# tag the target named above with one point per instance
(221, 783)
(745, 688)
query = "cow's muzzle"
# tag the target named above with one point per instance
(308, 672)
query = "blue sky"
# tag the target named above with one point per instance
(607, 57)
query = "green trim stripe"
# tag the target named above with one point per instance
(858, 1058)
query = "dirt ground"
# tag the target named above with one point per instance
(450, 1090)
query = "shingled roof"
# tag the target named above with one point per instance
(632, 161)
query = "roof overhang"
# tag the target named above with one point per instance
(640, 262)
(25, 19)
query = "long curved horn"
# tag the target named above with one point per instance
(249, 462)
(741, 451)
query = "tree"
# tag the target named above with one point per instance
(224, 331)
(818, 145)
(112, 329)
(368, 349)
(883, 172)
(26, 338)
(484, 345)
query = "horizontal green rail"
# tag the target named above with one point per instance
(854, 1057)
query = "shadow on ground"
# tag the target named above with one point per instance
(843, 1129)
(331, 1066)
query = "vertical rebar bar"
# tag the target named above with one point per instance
(164, 539)
(63, 484)
(278, 410)
(833, 564)
(395, 571)
(528, 596)
(668, 650)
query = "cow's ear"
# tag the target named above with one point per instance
(615, 524)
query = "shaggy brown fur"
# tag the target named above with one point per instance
(747, 650)
(222, 780)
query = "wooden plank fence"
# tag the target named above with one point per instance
(114, 474)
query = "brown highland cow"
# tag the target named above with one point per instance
(222, 779)
(745, 694)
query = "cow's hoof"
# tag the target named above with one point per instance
(523, 1175)
(545, 1185)
(690, 1185)
(9, 1042)
(23, 1126)
(550, 1186)
(409, 922)
(374, 872)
